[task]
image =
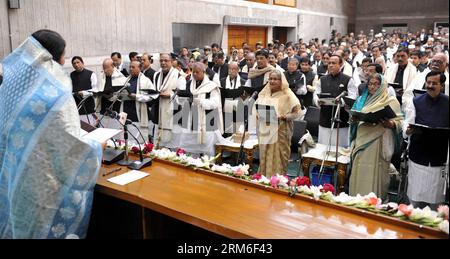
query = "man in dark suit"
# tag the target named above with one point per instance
(221, 67)
(291, 54)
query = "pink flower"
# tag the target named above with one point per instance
(443, 211)
(135, 150)
(181, 152)
(239, 172)
(257, 176)
(303, 181)
(373, 201)
(274, 181)
(328, 188)
(405, 209)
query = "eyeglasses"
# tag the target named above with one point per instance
(437, 61)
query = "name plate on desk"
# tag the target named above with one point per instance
(127, 178)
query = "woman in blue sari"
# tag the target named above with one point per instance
(373, 144)
(47, 171)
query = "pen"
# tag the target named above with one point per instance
(112, 171)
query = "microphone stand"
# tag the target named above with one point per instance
(240, 158)
(335, 121)
(81, 105)
(125, 161)
(134, 165)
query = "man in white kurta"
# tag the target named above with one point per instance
(205, 129)
(166, 81)
(403, 72)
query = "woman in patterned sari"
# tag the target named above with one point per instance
(275, 135)
(47, 171)
(374, 144)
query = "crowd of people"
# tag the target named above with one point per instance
(199, 97)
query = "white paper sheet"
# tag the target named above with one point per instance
(101, 135)
(129, 177)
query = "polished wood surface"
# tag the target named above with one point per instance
(235, 209)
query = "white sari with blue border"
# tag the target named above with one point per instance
(47, 172)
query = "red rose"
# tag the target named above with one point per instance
(257, 177)
(302, 181)
(328, 188)
(135, 150)
(181, 152)
(148, 148)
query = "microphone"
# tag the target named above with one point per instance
(344, 93)
(141, 163)
(121, 117)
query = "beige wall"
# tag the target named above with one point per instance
(95, 28)
(5, 47)
(417, 14)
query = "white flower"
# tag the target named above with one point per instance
(444, 226)
(342, 198)
(38, 107)
(17, 141)
(67, 213)
(27, 124)
(58, 230)
(317, 192)
(224, 169)
(305, 190)
(196, 162)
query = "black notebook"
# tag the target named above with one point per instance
(232, 93)
(396, 86)
(374, 117)
(349, 101)
(251, 90)
(418, 92)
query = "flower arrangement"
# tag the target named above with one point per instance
(302, 185)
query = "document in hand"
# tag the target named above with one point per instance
(374, 117)
(327, 99)
(101, 135)
(349, 101)
(267, 113)
(152, 93)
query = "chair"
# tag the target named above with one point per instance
(312, 117)
(299, 131)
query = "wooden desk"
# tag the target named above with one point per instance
(248, 150)
(314, 156)
(236, 209)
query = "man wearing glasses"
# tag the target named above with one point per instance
(439, 64)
